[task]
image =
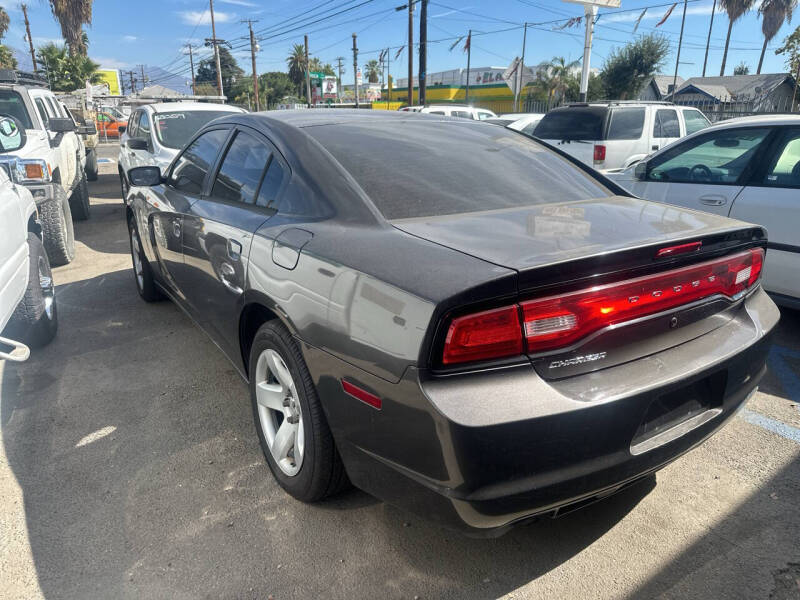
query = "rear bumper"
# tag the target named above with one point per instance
(479, 452)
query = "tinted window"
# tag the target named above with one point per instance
(694, 120)
(42, 111)
(436, 112)
(626, 124)
(666, 124)
(271, 185)
(143, 127)
(463, 114)
(132, 122)
(572, 124)
(192, 166)
(11, 104)
(785, 170)
(238, 177)
(418, 169)
(174, 129)
(716, 158)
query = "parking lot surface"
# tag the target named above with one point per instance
(130, 468)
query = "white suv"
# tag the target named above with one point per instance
(614, 135)
(50, 161)
(27, 297)
(459, 110)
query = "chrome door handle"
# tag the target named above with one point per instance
(713, 200)
(234, 249)
(176, 228)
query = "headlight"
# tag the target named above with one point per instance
(27, 170)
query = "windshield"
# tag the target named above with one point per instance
(419, 168)
(174, 129)
(580, 123)
(12, 105)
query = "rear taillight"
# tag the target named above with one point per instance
(599, 153)
(557, 321)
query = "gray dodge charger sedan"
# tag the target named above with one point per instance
(450, 315)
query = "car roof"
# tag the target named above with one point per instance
(160, 107)
(770, 120)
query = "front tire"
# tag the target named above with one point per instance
(142, 273)
(57, 228)
(35, 320)
(91, 165)
(291, 426)
(79, 201)
(124, 187)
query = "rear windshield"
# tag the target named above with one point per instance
(12, 105)
(420, 168)
(174, 129)
(580, 123)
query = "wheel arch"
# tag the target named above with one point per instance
(258, 308)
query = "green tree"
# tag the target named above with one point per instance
(561, 72)
(7, 59)
(231, 72)
(72, 15)
(626, 70)
(296, 61)
(66, 72)
(4, 22)
(594, 90)
(741, 69)
(791, 48)
(773, 14)
(372, 71)
(273, 87)
(735, 9)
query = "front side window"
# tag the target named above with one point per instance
(132, 124)
(143, 127)
(666, 124)
(482, 116)
(695, 121)
(718, 158)
(53, 108)
(12, 105)
(241, 170)
(42, 112)
(191, 167)
(785, 170)
(626, 124)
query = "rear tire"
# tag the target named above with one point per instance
(79, 201)
(281, 389)
(35, 320)
(57, 229)
(123, 186)
(91, 164)
(142, 273)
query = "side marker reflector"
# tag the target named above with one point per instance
(363, 395)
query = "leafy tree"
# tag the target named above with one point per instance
(273, 87)
(72, 15)
(207, 70)
(773, 14)
(626, 70)
(296, 61)
(316, 66)
(373, 71)
(595, 90)
(741, 69)
(4, 22)
(735, 9)
(7, 59)
(561, 72)
(66, 72)
(791, 48)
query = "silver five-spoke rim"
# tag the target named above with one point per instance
(137, 260)
(46, 284)
(279, 412)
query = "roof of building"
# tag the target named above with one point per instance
(736, 85)
(663, 83)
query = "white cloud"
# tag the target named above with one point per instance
(197, 17)
(129, 38)
(239, 3)
(110, 63)
(656, 14)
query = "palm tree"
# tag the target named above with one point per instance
(773, 14)
(72, 15)
(4, 22)
(296, 61)
(66, 72)
(735, 10)
(560, 72)
(372, 70)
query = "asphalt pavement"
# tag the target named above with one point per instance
(130, 468)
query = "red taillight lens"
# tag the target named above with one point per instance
(490, 334)
(599, 153)
(558, 321)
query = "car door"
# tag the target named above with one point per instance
(666, 128)
(772, 199)
(705, 172)
(184, 186)
(218, 233)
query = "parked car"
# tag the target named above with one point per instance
(747, 168)
(155, 133)
(410, 108)
(84, 119)
(108, 126)
(50, 162)
(615, 135)
(524, 122)
(27, 296)
(503, 334)
(459, 110)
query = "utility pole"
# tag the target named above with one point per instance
(589, 13)
(708, 41)
(423, 50)
(144, 79)
(216, 48)
(308, 74)
(339, 60)
(253, 50)
(389, 73)
(678, 60)
(469, 58)
(133, 84)
(410, 52)
(191, 64)
(355, 67)
(24, 8)
(521, 68)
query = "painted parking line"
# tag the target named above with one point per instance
(105, 160)
(779, 427)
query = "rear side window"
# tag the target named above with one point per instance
(666, 124)
(572, 124)
(695, 121)
(271, 185)
(463, 114)
(241, 170)
(11, 104)
(466, 167)
(437, 112)
(626, 124)
(482, 115)
(192, 166)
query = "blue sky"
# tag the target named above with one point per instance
(154, 32)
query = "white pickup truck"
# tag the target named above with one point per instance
(28, 314)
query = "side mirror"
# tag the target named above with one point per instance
(137, 144)
(640, 170)
(88, 129)
(12, 134)
(122, 129)
(145, 176)
(61, 125)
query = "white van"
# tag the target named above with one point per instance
(614, 135)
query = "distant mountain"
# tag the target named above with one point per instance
(157, 75)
